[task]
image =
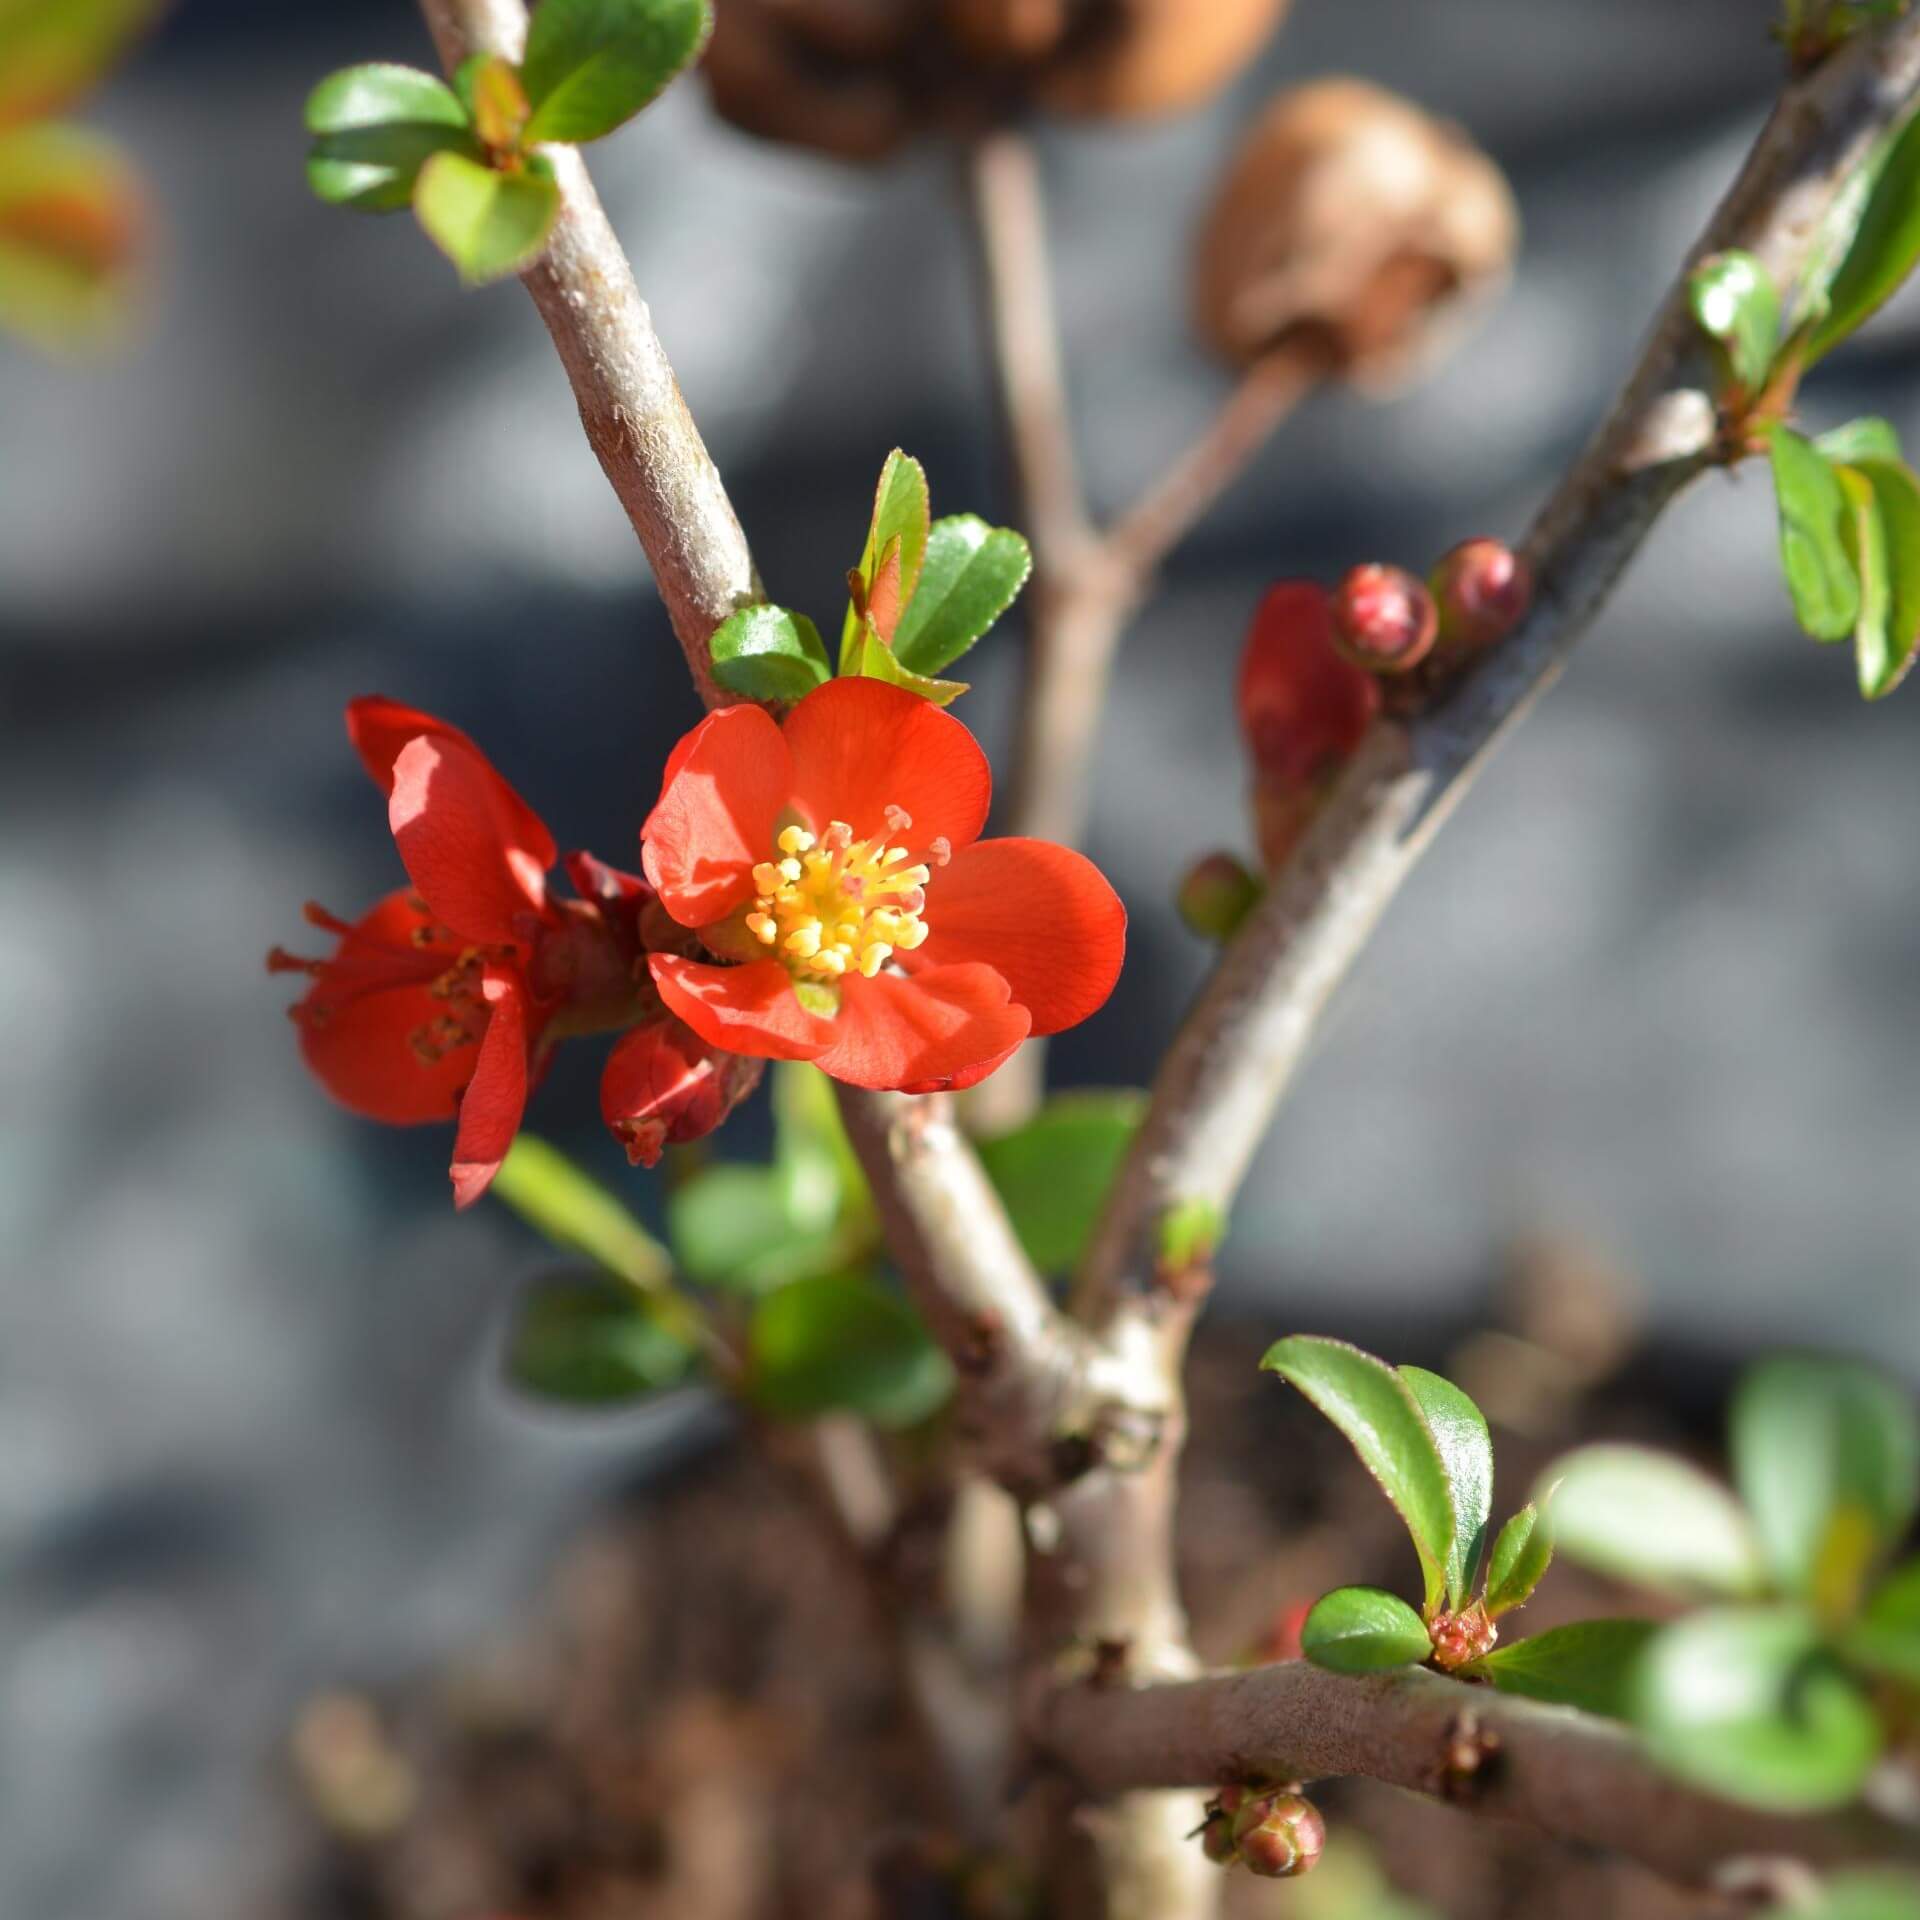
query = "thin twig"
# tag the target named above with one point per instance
(1245, 1037)
(1570, 1774)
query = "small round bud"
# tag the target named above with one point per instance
(1287, 1841)
(1482, 591)
(1461, 1637)
(1383, 619)
(1216, 896)
(1354, 223)
(1138, 57)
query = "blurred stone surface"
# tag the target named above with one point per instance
(1658, 984)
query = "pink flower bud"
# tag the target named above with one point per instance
(1482, 590)
(1383, 619)
(1461, 1637)
(664, 1085)
(1216, 896)
(1280, 1836)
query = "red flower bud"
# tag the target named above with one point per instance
(1286, 1839)
(1216, 896)
(1302, 708)
(1383, 619)
(1463, 1636)
(1482, 590)
(664, 1085)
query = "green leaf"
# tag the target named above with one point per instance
(591, 65)
(374, 128)
(1814, 552)
(70, 227)
(1883, 541)
(1054, 1173)
(1588, 1665)
(900, 512)
(1826, 1455)
(1872, 1893)
(53, 51)
(1737, 305)
(1868, 438)
(768, 653)
(1187, 1234)
(1459, 1430)
(841, 1342)
(573, 1210)
(873, 659)
(1363, 1630)
(1521, 1556)
(1744, 1702)
(488, 224)
(588, 1342)
(970, 577)
(1885, 245)
(1649, 1518)
(1375, 1408)
(731, 1227)
(1886, 1637)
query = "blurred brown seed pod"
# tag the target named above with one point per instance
(1354, 221)
(1136, 57)
(1009, 33)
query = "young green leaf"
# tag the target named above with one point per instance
(488, 224)
(769, 653)
(1827, 1457)
(591, 65)
(1374, 1407)
(374, 128)
(1883, 541)
(1738, 307)
(496, 102)
(731, 1227)
(1885, 245)
(1649, 1518)
(900, 512)
(872, 659)
(587, 1342)
(840, 1342)
(1188, 1234)
(70, 227)
(573, 1210)
(970, 577)
(53, 51)
(1588, 1665)
(1865, 532)
(1886, 1637)
(1459, 1430)
(1053, 1173)
(1868, 438)
(1744, 1702)
(1521, 1556)
(1814, 553)
(826, 1188)
(1363, 1630)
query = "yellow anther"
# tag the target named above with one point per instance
(794, 840)
(767, 877)
(875, 956)
(790, 870)
(913, 934)
(804, 939)
(764, 928)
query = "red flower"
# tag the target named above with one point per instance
(834, 859)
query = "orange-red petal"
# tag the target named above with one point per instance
(947, 1027)
(496, 1097)
(726, 785)
(751, 1009)
(860, 746)
(454, 822)
(380, 728)
(1040, 915)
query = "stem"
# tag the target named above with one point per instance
(1241, 1043)
(1573, 1775)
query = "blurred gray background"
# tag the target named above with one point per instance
(1657, 985)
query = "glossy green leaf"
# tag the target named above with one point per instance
(769, 653)
(1649, 1518)
(1883, 541)
(70, 230)
(970, 577)
(731, 1227)
(1827, 1457)
(374, 128)
(1814, 553)
(1871, 1893)
(1589, 1664)
(1884, 247)
(1459, 1430)
(1865, 533)
(1521, 1556)
(1363, 1630)
(590, 1342)
(572, 1209)
(1053, 1174)
(900, 512)
(843, 1343)
(1374, 1407)
(1737, 305)
(488, 224)
(1886, 1637)
(872, 659)
(53, 51)
(591, 65)
(1744, 1702)
(1868, 438)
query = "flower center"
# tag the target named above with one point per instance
(836, 905)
